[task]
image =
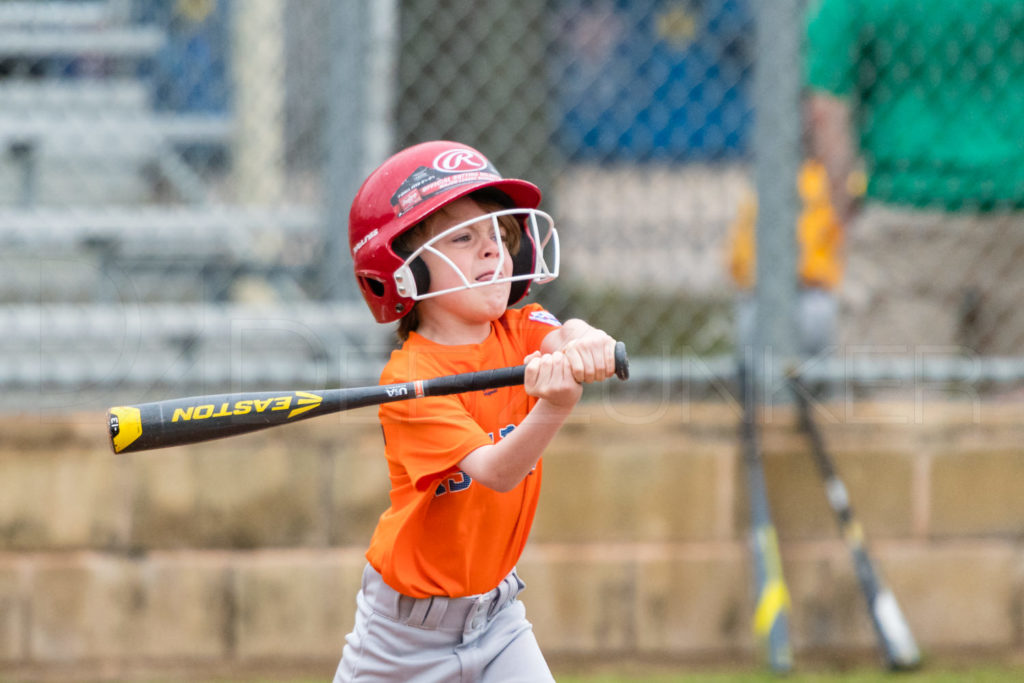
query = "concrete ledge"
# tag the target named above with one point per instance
(247, 552)
(86, 606)
(688, 602)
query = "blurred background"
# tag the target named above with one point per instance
(167, 164)
(170, 167)
(175, 178)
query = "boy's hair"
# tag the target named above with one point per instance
(489, 200)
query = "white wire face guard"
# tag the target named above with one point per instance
(545, 246)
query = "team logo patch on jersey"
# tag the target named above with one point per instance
(546, 318)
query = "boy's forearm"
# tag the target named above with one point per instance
(574, 328)
(503, 465)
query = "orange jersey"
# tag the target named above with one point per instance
(445, 534)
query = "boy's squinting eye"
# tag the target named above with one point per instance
(465, 236)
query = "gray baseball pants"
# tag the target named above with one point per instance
(479, 639)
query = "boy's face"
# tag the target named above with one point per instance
(478, 253)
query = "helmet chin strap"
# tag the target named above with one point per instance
(408, 284)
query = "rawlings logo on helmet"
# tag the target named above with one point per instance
(457, 160)
(449, 169)
(362, 243)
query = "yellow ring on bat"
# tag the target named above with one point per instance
(773, 601)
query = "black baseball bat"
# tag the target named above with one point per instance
(176, 422)
(772, 608)
(895, 639)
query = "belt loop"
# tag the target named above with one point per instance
(405, 607)
(506, 591)
(420, 610)
(500, 594)
(520, 584)
(435, 612)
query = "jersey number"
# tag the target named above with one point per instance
(453, 484)
(461, 481)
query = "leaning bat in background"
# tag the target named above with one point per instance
(180, 421)
(772, 609)
(895, 639)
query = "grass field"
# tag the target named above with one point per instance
(978, 675)
(981, 674)
(953, 671)
(931, 674)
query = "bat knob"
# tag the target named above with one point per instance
(621, 361)
(125, 426)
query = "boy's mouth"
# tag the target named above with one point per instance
(484, 277)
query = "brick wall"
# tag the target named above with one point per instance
(247, 551)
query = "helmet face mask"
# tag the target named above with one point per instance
(545, 246)
(416, 183)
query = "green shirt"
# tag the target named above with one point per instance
(937, 92)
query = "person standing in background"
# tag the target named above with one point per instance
(820, 240)
(930, 98)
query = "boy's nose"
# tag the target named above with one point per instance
(489, 247)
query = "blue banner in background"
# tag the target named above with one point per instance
(653, 80)
(190, 73)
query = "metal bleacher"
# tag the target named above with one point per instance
(139, 282)
(42, 124)
(175, 253)
(89, 356)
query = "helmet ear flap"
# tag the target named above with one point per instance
(421, 275)
(522, 263)
(420, 272)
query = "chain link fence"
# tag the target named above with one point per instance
(633, 117)
(175, 175)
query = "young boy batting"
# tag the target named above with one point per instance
(446, 246)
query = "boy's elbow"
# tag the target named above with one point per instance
(488, 468)
(499, 483)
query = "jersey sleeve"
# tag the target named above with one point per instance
(427, 437)
(531, 324)
(430, 436)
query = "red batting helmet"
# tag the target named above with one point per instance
(410, 186)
